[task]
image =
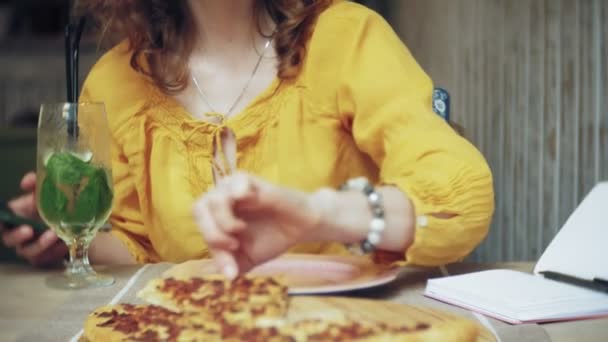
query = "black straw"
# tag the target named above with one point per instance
(73, 35)
(75, 59)
(68, 62)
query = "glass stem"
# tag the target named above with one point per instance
(79, 258)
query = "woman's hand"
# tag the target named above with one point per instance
(47, 249)
(247, 221)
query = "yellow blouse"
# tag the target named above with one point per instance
(360, 107)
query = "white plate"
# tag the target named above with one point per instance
(307, 273)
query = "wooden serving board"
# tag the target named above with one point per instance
(302, 307)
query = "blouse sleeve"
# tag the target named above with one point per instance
(126, 218)
(386, 98)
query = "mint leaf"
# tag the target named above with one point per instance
(105, 192)
(65, 168)
(94, 200)
(53, 202)
(74, 192)
(86, 202)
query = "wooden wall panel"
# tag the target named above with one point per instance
(519, 126)
(491, 57)
(529, 84)
(569, 144)
(511, 129)
(552, 121)
(587, 96)
(602, 36)
(537, 147)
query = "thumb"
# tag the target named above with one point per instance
(28, 182)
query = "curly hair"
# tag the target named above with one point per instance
(161, 34)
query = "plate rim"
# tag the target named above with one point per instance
(384, 276)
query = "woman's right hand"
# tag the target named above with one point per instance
(47, 249)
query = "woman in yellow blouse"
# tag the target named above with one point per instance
(258, 111)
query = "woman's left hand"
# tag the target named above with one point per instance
(247, 221)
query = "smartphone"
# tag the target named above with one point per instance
(11, 221)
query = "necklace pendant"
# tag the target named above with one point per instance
(216, 118)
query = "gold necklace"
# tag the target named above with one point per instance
(204, 96)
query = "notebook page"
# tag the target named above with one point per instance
(517, 296)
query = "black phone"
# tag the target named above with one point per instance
(11, 221)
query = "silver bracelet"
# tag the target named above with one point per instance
(377, 224)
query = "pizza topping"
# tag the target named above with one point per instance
(136, 317)
(245, 298)
(403, 328)
(244, 333)
(258, 311)
(148, 335)
(239, 289)
(422, 326)
(107, 314)
(343, 332)
(181, 290)
(121, 322)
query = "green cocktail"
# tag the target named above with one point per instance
(74, 188)
(75, 195)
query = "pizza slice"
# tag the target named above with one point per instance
(245, 299)
(126, 322)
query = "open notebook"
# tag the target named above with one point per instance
(570, 280)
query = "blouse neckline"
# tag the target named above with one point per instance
(248, 117)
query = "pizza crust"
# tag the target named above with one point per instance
(361, 331)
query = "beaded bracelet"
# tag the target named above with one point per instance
(377, 224)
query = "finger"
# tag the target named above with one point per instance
(253, 191)
(32, 250)
(28, 182)
(241, 186)
(259, 199)
(245, 193)
(24, 205)
(220, 207)
(253, 195)
(244, 262)
(51, 256)
(225, 262)
(214, 237)
(17, 236)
